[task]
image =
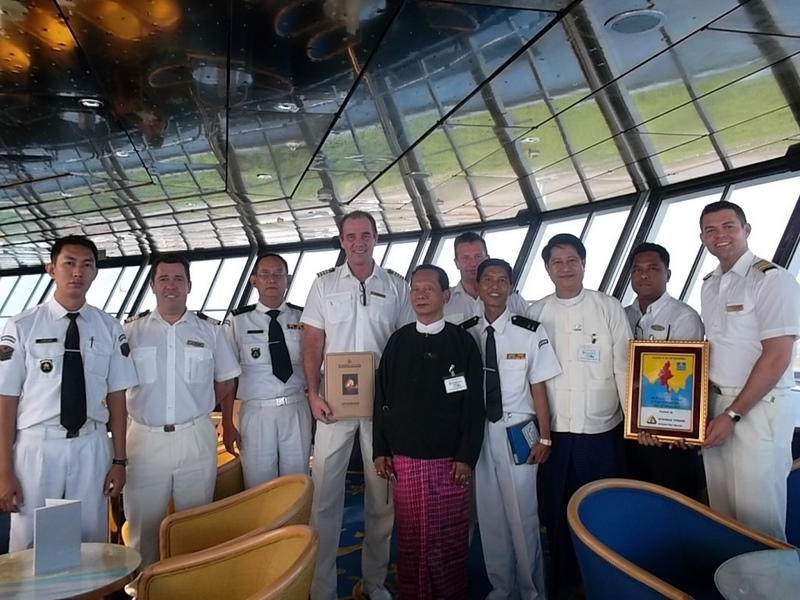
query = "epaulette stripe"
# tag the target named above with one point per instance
(469, 323)
(764, 266)
(294, 306)
(205, 317)
(132, 318)
(326, 271)
(525, 322)
(708, 276)
(395, 273)
(243, 309)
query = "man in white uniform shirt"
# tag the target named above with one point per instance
(352, 308)
(590, 334)
(508, 510)
(465, 303)
(54, 443)
(655, 315)
(185, 366)
(751, 309)
(274, 435)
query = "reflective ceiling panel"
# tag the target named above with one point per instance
(157, 125)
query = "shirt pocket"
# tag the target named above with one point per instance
(45, 362)
(382, 308)
(294, 342)
(602, 400)
(145, 360)
(512, 376)
(338, 307)
(198, 365)
(742, 324)
(97, 358)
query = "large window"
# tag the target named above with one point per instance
(536, 283)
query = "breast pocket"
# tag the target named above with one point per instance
(338, 307)
(294, 342)
(512, 376)
(198, 366)
(145, 360)
(97, 357)
(382, 308)
(742, 323)
(255, 350)
(45, 362)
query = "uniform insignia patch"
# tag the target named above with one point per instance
(708, 276)
(255, 352)
(326, 271)
(195, 344)
(244, 309)
(657, 327)
(139, 316)
(207, 318)
(543, 342)
(46, 365)
(395, 273)
(297, 326)
(469, 323)
(294, 306)
(6, 352)
(515, 356)
(525, 323)
(764, 266)
(8, 338)
(125, 349)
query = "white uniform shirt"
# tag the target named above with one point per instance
(524, 357)
(462, 306)
(740, 309)
(335, 305)
(590, 335)
(31, 369)
(177, 366)
(248, 333)
(665, 319)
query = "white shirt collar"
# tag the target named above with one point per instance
(264, 308)
(571, 301)
(432, 329)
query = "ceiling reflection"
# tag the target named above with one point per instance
(157, 125)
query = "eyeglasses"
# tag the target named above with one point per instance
(270, 274)
(363, 288)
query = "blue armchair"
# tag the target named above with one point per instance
(640, 540)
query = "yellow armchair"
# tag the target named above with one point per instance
(276, 503)
(265, 566)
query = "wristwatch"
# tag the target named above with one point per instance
(735, 417)
(122, 462)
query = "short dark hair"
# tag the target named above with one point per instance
(72, 240)
(358, 214)
(468, 237)
(494, 262)
(564, 239)
(444, 280)
(723, 205)
(177, 258)
(262, 255)
(648, 247)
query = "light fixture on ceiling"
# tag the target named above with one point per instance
(264, 176)
(14, 58)
(639, 20)
(45, 24)
(90, 102)
(287, 107)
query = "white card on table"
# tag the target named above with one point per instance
(56, 536)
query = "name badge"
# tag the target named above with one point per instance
(195, 344)
(734, 308)
(46, 341)
(297, 326)
(515, 356)
(657, 327)
(455, 383)
(255, 331)
(589, 354)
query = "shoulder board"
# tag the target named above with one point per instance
(326, 271)
(764, 266)
(132, 318)
(207, 318)
(395, 273)
(708, 276)
(242, 310)
(294, 306)
(525, 322)
(470, 323)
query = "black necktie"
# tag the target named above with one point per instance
(278, 352)
(494, 401)
(73, 384)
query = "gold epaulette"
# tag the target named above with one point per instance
(326, 271)
(132, 318)
(207, 318)
(764, 265)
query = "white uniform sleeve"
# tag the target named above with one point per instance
(229, 328)
(121, 371)
(544, 365)
(12, 361)
(777, 305)
(225, 364)
(313, 311)
(620, 336)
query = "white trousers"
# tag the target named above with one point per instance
(181, 465)
(332, 448)
(747, 473)
(508, 517)
(50, 466)
(276, 440)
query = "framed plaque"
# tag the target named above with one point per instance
(667, 393)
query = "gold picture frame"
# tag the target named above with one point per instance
(667, 391)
